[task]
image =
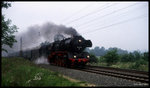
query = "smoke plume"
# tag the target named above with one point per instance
(37, 34)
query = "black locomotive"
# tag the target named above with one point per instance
(65, 52)
(69, 52)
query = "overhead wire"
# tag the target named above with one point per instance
(67, 18)
(122, 14)
(95, 19)
(141, 16)
(95, 11)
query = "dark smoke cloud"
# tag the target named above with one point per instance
(37, 34)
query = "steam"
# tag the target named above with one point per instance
(37, 34)
(41, 60)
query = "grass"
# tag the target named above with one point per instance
(125, 65)
(23, 73)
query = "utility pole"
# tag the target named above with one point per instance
(21, 47)
(39, 33)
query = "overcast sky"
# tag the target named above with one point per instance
(108, 24)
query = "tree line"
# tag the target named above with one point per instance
(101, 51)
(113, 56)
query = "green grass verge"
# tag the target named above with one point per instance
(21, 72)
(125, 65)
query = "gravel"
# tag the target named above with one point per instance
(97, 79)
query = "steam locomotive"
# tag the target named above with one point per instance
(69, 52)
(65, 52)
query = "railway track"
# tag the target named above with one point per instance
(134, 75)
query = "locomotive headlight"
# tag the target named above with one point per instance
(80, 40)
(88, 56)
(75, 56)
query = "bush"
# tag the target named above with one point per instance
(101, 59)
(93, 58)
(146, 56)
(124, 58)
(111, 57)
(140, 64)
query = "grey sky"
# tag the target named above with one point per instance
(109, 24)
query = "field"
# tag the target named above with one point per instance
(23, 73)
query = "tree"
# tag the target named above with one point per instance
(125, 58)
(146, 56)
(7, 36)
(137, 55)
(111, 57)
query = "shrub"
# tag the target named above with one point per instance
(93, 58)
(111, 57)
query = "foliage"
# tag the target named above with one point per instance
(5, 5)
(139, 64)
(126, 57)
(7, 36)
(111, 57)
(21, 72)
(145, 56)
(115, 57)
(133, 60)
(101, 51)
(93, 59)
(101, 59)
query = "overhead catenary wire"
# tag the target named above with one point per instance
(115, 18)
(135, 18)
(122, 14)
(95, 19)
(105, 7)
(67, 18)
